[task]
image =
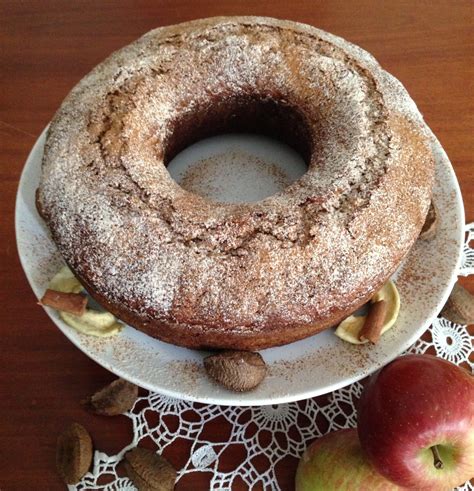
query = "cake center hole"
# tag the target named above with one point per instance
(237, 167)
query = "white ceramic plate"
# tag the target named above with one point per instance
(307, 368)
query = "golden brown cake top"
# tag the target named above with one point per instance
(138, 239)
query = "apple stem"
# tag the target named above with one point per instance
(438, 463)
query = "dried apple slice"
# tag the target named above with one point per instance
(65, 281)
(349, 329)
(92, 322)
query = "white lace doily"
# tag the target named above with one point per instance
(267, 434)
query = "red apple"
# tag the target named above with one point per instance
(416, 423)
(336, 462)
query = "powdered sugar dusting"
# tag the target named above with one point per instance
(237, 168)
(164, 254)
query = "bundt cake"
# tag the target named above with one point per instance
(204, 274)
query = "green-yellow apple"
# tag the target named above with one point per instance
(416, 423)
(336, 462)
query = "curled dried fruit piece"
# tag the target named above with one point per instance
(93, 323)
(240, 371)
(65, 281)
(430, 227)
(73, 453)
(149, 471)
(350, 329)
(90, 322)
(460, 306)
(116, 398)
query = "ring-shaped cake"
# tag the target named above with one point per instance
(204, 274)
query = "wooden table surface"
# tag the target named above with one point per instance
(45, 48)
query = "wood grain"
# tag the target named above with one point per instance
(45, 48)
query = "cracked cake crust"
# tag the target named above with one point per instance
(247, 276)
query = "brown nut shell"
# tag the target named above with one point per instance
(239, 371)
(74, 453)
(460, 306)
(430, 227)
(116, 398)
(149, 471)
